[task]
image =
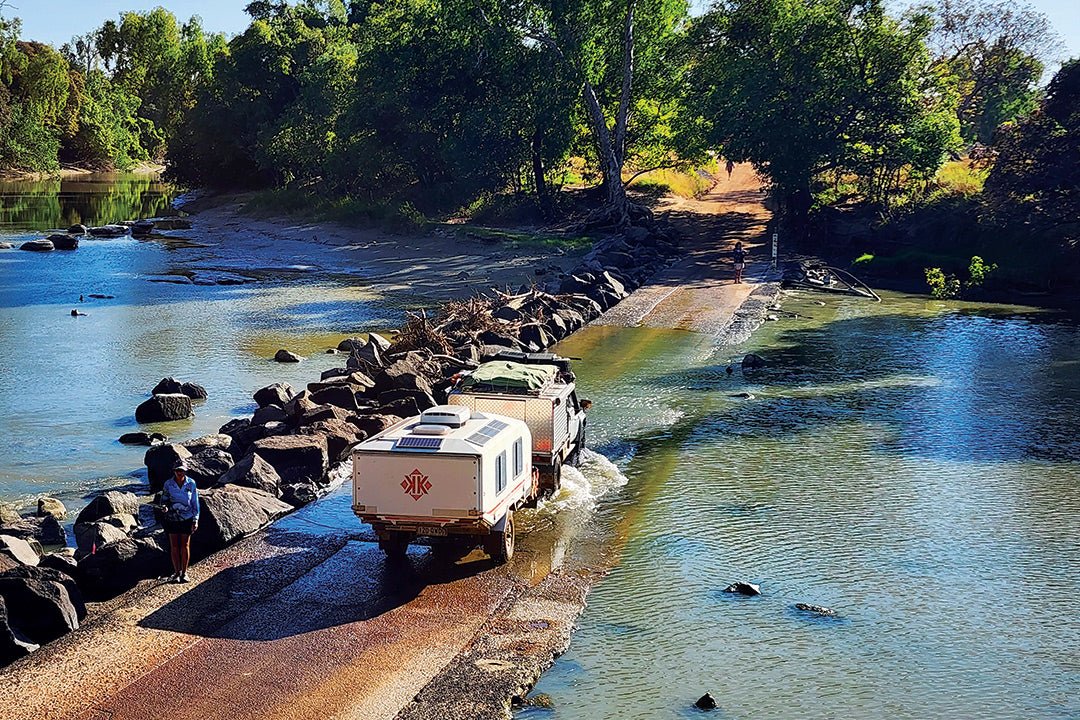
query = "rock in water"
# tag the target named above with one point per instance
(37, 245)
(820, 610)
(51, 506)
(166, 386)
(64, 242)
(753, 361)
(159, 461)
(276, 394)
(284, 356)
(77, 229)
(743, 588)
(161, 408)
(705, 702)
(193, 391)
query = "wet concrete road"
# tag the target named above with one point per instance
(303, 621)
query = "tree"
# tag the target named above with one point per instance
(614, 53)
(805, 87)
(1035, 182)
(997, 51)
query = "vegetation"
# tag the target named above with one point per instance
(398, 111)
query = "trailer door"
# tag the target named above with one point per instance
(416, 485)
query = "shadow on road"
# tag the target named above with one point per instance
(319, 583)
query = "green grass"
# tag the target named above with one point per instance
(522, 238)
(342, 209)
(684, 183)
(961, 177)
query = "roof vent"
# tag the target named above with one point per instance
(450, 415)
(430, 430)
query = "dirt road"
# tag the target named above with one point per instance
(697, 293)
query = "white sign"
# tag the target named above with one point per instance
(775, 237)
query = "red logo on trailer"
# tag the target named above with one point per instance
(416, 484)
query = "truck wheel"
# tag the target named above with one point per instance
(395, 545)
(500, 546)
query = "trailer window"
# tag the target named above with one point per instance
(500, 472)
(519, 457)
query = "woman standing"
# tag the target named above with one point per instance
(181, 500)
(739, 256)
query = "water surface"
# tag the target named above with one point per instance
(913, 465)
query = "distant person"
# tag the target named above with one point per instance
(738, 255)
(181, 500)
(730, 167)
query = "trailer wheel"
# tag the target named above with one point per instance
(395, 545)
(500, 546)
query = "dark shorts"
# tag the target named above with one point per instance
(178, 527)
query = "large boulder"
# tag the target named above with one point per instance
(296, 458)
(276, 394)
(44, 530)
(408, 373)
(42, 609)
(322, 412)
(117, 566)
(206, 467)
(51, 574)
(214, 441)
(252, 471)
(42, 245)
(340, 436)
(77, 229)
(112, 502)
(18, 549)
(299, 404)
(159, 461)
(64, 242)
(167, 386)
(61, 561)
(535, 336)
(339, 395)
(9, 514)
(284, 356)
(369, 357)
(422, 400)
(195, 391)
(90, 536)
(51, 506)
(13, 644)
(109, 231)
(165, 407)
(371, 425)
(269, 413)
(230, 512)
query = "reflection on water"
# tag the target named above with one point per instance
(93, 199)
(911, 465)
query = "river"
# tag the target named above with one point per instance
(913, 465)
(69, 385)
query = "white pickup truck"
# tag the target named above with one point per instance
(458, 472)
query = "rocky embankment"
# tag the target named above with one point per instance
(254, 470)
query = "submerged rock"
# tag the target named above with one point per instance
(753, 361)
(165, 407)
(286, 356)
(64, 242)
(705, 702)
(819, 610)
(743, 588)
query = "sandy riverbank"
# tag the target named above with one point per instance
(296, 623)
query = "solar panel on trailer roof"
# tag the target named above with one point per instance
(420, 443)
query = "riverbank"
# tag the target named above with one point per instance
(313, 577)
(74, 171)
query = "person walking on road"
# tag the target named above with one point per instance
(181, 500)
(738, 255)
(730, 167)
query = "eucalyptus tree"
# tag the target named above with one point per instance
(616, 56)
(801, 88)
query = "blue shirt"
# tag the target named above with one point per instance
(182, 498)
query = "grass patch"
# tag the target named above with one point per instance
(864, 259)
(961, 177)
(402, 216)
(523, 238)
(688, 184)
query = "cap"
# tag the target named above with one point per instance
(179, 465)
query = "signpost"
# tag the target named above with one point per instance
(775, 238)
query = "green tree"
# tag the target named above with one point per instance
(806, 87)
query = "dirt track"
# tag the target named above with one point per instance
(697, 292)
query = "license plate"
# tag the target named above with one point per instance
(431, 531)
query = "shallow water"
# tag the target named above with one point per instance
(69, 385)
(913, 465)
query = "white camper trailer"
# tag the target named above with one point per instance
(537, 388)
(450, 472)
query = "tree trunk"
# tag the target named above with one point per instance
(617, 205)
(543, 193)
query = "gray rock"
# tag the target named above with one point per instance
(216, 441)
(110, 231)
(61, 561)
(36, 530)
(252, 471)
(322, 412)
(422, 400)
(285, 356)
(372, 425)
(77, 229)
(163, 408)
(159, 461)
(270, 413)
(206, 467)
(142, 438)
(167, 386)
(230, 512)
(6, 246)
(18, 549)
(112, 502)
(13, 644)
(819, 610)
(705, 702)
(339, 395)
(42, 609)
(299, 404)
(118, 566)
(8, 514)
(51, 506)
(296, 458)
(42, 245)
(300, 494)
(340, 436)
(193, 390)
(91, 536)
(753, 361)
(277, 394)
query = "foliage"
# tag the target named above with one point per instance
(979, 271)
(1036, 179)
(996, 50)
(942, 286)
(806, 87)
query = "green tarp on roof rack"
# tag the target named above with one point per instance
(504, 375)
